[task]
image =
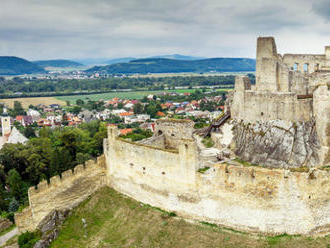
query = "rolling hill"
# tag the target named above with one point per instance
(163, 65)
(10, 65)
(62, 63)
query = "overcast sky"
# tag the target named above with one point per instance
(49, 29)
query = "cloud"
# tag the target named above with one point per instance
(40, 29)
(322, 8)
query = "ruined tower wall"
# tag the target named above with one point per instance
(321, 106)
(174, 130)
(253, 106)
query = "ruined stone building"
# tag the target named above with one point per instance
(286, 113)
(282, 121)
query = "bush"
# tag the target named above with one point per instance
(9, 216)
(208, 142)
(28, 239)
(13, 206)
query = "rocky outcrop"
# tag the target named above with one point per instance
(50, 226)
(277, 143)
(4, 224)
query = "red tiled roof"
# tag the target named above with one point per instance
(159, 113)
(126, 131)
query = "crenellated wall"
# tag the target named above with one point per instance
(62, 193)
(251, 199)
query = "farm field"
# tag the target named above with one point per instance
(32, 100)
(123, 95)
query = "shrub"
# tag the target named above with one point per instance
(13, 205)
(28, 239)
(208, 142)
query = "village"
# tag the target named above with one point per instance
(134, 117)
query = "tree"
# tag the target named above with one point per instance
(29, 132)
(138, 108)
(16, 186)
(80, 102)
(17, 110)
(76, 110)
(151, 109)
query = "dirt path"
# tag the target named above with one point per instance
(4, 238)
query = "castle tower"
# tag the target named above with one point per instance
(5, 123)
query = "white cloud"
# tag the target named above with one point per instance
(38, 29)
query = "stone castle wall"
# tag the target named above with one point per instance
(292, 88)
(62, 193)
(245, 198)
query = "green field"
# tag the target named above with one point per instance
(114, 220)
(123, 95)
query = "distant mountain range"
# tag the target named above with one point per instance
(16, 66)
(158, 64)
(103, 61)
(61, 63)
(164, 65)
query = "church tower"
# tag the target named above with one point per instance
(5, 123)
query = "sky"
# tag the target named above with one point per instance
(52, 29)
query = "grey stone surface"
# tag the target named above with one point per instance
(277, 143)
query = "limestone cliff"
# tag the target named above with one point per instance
(277, 143)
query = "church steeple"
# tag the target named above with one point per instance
(5, 122)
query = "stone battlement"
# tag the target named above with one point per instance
(63, 192)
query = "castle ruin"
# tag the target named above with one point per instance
(286, 108)
(291, 94)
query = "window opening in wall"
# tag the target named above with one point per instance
(305, 67)
(317, 67)
(295, 66)
(262, 113)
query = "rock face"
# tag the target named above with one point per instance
(49, 227)
(277, 143)
(4, 224)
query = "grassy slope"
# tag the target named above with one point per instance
(114, 220)
(123, 95)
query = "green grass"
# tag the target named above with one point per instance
(245, 163)
(202, 170)
(208, 142)
(114, 220)
(122, 95)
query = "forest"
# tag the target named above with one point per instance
(16, 84)
(49, 154)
